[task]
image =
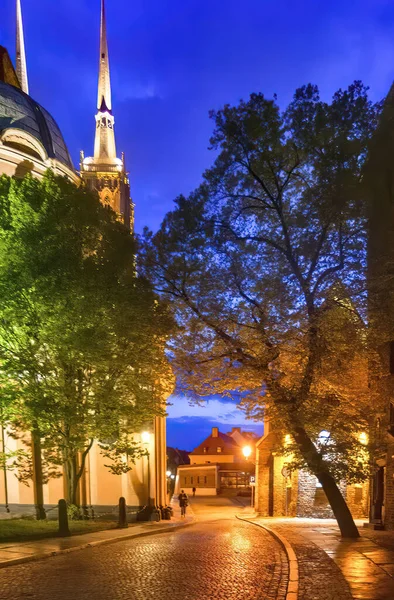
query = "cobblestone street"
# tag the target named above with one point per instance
(215, 559)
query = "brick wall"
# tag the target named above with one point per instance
(389, 487)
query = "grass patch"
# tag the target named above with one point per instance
(21, 530)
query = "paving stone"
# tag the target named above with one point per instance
(222, 560)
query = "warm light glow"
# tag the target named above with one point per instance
(363, 437)
(287, 439)
(172, 476)
(246, 451)
(168, 473)
(145, 437)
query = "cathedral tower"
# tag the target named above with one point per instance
(104, 172)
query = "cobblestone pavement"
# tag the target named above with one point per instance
(224, 559)
(332, 568)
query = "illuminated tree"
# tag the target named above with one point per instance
(265, 260)
(81, 335)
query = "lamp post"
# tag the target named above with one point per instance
(247, 451)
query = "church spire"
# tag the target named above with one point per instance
(104, 85)
(104, 144)
(21, 69)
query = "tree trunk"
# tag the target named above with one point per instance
(37, 476)
(337, 502)
(72, 480)
(339, 506)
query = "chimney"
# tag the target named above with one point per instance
(236, 429)
(215, 431)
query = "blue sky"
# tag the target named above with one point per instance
(174, 60)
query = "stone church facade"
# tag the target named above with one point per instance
(31, 142)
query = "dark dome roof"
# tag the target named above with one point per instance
(20, 111)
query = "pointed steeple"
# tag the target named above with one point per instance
(104, 143)
(21, 69)
(104, 85)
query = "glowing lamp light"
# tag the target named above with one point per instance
(172, 476)
(168, 473)
(363, 437)
(145, 437)
(246, 451)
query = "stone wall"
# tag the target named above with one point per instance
(298, 494)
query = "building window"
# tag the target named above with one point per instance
(198, 479)
(205, 479)
(185, 479)
(191, 480)
(205, 449)
(219, 448)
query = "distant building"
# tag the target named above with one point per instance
(218, 464)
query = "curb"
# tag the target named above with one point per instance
(292, 587)
(42, 555)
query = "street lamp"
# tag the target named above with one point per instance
(246, 451)
(145, 437)
(168, 473)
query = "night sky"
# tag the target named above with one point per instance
(171, 62)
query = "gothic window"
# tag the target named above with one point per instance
(219, 449)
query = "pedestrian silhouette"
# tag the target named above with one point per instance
(183, 502)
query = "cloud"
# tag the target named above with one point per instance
(214, 410)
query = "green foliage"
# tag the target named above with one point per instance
(265, 267)
(73, 512)
(81, 335)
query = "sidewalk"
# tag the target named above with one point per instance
(12, 553)
(332, 568)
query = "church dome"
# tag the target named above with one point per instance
(18, 111)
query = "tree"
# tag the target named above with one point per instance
(81, 334)
(262, 263)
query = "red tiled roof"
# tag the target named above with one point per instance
(227, 443)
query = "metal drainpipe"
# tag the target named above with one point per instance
(5, 472)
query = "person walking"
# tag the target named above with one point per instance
(194, 491)
(183, 502)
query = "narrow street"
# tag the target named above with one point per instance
(218, 558)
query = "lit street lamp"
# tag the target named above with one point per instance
(246, 451)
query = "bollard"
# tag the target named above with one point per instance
(122, 523)
(63, 530)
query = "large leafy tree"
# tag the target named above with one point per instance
(81, 334)
(265, 263)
